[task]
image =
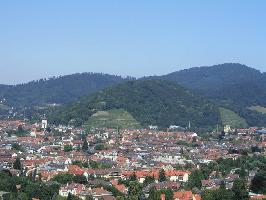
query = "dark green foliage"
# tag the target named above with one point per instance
(63, 178)
(240, 191)
(183, 143)
(72, 197)
(121, 198)
(133, 177)
(17, 147)
(244, 163)
(213, 77)
(241, 172)
(162, 176)
(17, 164)
(69, 178)
(99, 165)
(154, 194)
(99, 147)
(148, 180)
(68, 148)
(258, 183)
(155, 102)
(61, 90)
(134, 189)
(113, 190)
(194, 179)
(28, 190)
(80, 179)
(93, 164)
(169, 194)
(89, 197)
(85, 145)
(20, 132)
(220, 194)
(80, 164)
(233, 85)
(7, 183)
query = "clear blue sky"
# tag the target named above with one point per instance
(127, 37)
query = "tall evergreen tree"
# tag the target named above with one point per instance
(133, 177)
(85, 145)
(17, 164)
(162, 176)
(69, 196)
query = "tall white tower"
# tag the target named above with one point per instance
(44, 124)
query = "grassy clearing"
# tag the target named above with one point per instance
(259, 109)
(4, 107)
(112, 119)
(231, 118)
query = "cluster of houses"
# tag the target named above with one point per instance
(119, 155)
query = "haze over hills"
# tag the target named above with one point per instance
(234, 87)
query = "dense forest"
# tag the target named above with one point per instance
(231, 85)
(60, 90)
(211, 80)
(150, 102)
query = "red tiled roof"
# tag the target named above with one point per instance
(185, 195)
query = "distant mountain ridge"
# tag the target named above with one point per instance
(232, 86)
(214, 76)
(211, 81)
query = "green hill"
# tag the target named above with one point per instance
(153, 102)
(59, 90)
(231, 85)
(211, 80)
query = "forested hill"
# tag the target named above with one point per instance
(60, 90)
(232, 82)
(155, 102)
(231, 85)
(236, 87)
(216, 76)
